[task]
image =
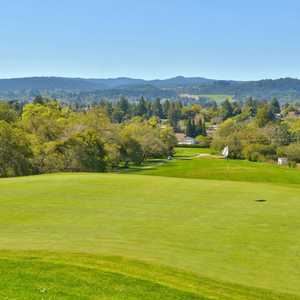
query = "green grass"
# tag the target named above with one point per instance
(185, 165)
(213, 97)
(236, 248)
(190, 152)
(44, 275)
(39, 275)
(181, 153)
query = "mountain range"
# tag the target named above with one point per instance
(65, 83)
(286, 89)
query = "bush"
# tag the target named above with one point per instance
(235, 147)
(259, 152)
(292, 152)
(292, 164)
(232, 141)
(203, 141)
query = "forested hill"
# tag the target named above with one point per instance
(64, 83)
(72, 89)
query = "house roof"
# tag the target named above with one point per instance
(180, 137)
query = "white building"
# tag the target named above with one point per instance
(189, 140)
(182, 139)
(282, 161)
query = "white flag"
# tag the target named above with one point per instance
(225, 152)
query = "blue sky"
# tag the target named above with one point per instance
(150, 39)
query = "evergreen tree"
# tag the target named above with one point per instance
(264, 115)
(157, 108)
(200, 128)
(39, 100)
(236, 108)
(124, 105)
(275, 106)
(172, 115)
(109, 108)
(226, 109)
(189, 128)
(251, 107)
(214, 106)
(141, 108)
(178, 109)
(166, 108)
(204, 129)
(149, 108)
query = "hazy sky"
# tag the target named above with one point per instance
(220, 39)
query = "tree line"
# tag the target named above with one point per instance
(47, 136)
(260, 131)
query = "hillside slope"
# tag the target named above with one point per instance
(36, 275)
(286, 89)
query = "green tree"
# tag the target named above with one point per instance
(169, 139)
(7, 113)
(250, 107)
(174, 115)
(131, 150)
(157, 108)
(39, 100)
(226, 109)
(292, 152)
(166, 107)
(124, 106)
(141, 108)
(275, 106)
(189, 129)
(118, 115)
(46, 121)
(200, 128)
(83, 152)
(264, 115)
(15, 151)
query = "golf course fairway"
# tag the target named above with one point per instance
(119, 236)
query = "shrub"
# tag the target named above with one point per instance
(232, 141)
(259, 152)
(292, 152)
(203, 141)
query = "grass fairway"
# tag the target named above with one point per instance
(187, 165)
(182, 152)
(213, 97)
(236, 248)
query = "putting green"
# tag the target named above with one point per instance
(188, 166)
(215, 229)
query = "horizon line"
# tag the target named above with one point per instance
(137, 78)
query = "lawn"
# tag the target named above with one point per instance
(180, 154)
(227, 244)
(213, 97)
(43, 275)
(190, 152)
(187, 165)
